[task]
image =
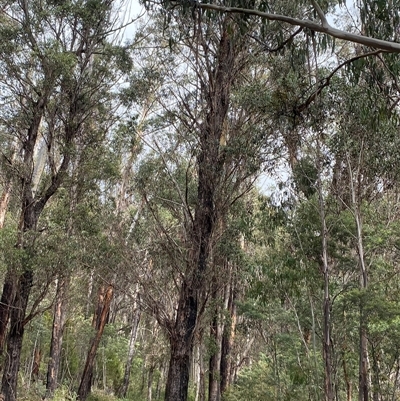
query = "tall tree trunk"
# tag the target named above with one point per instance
(363, 390)
(59, 318)
(214, 389)
(199, 371)
(99, 321)
(326, 343)
(216, 331)
(228, 339)
(15, 336)
(131, 351)
(210, 170)
(9, 284)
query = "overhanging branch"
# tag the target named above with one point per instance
(324, 27)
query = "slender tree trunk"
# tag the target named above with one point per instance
(150, 383)
(363, 394)
(131, 351)
(326, 345)
(214, 389)
(37, 358)
(347, 378)
(59, 318)
(228, 338)
(99, 322)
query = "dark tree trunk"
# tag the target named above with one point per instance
(210, 170)
(376, 386)
(363, 365)
(14, 343)
(7, 299)
(181, 343)
(99, 322)
(57, 336)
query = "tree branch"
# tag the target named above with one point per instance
(320, 13)
(325, 27)
(326, 81)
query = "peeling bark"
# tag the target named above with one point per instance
(99, 321)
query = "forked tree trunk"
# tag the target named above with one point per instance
(99, 322)
(59, 318)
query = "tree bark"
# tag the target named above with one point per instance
(326, 343)
(57, 336)
(228, 339)
(181, 343)
(131, 352)
(214, 389)
(99, 321)
(150, 383)
(210, 166)
(7, 298)
(14, 343)
(4, 200)
(36, 363)
(363, 390)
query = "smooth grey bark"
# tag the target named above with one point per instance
(131, 352)
(323, 27)
(363, 389)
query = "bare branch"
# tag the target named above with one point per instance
(326, 81)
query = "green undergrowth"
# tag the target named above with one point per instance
(36, 392)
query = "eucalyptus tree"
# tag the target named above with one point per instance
(56, 84)
(213, 137)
